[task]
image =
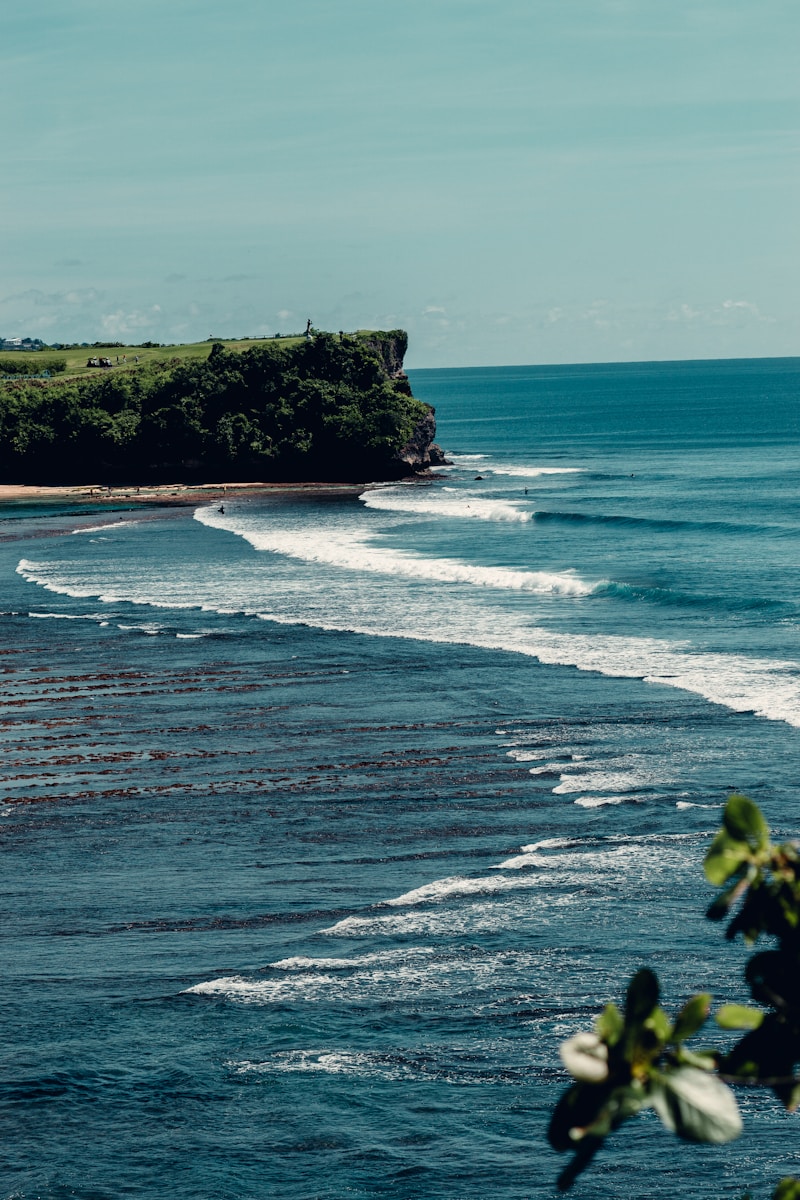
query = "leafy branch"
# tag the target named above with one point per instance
(637, 1058)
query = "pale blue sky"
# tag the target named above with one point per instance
(513, 181)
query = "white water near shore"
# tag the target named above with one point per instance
(397, 596)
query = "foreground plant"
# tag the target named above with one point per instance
(638, 1058)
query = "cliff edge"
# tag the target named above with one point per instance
(327, 407)
(420, 452)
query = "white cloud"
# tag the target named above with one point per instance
(122, 324)
(729, 312)
(684, 312)
(753, 308)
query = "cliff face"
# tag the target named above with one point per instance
(390, 348)
(420, 451)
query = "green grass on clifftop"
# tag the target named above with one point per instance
(76, 358)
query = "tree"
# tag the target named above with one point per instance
(637, 1058)
(323, 409)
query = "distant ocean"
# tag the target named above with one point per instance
(325, 820)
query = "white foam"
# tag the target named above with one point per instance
(442, 502)
(601, 855)
(236, 987)
(51, 616)
(535, 472)
(530, 858)
(459, 886)
(446, 889)
(602, 781)
(520, 470)
(518, 862)
(554, 843)
(106, 526)
(599, 801)
(50, 576)
(329, 1062)
(353, 550)
(490, 913)
(440, 890)
(388, 974)
(303, 963)
(385, 605)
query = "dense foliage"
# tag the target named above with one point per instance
(24, 366)
(327, 408)
(638, 1059)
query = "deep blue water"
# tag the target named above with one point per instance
(325, 820)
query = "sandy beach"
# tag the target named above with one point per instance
(176, 493)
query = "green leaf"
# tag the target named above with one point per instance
(787, 1189)
(726, 855)
(721, 905)
(622, 1103)
(738, 1016)
(576, 1103)
(585, 1057)
(696, 1106)
(692, 1058)
(629, 1100)
(692, 1017)
(659, 1025)
(642, 996)
(744, 822)
(610, 1025)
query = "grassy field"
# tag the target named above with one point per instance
(40, 360)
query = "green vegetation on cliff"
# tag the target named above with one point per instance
(330, 407)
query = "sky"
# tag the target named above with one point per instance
(512, 181)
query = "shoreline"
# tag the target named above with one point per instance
(165, 493)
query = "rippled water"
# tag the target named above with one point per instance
(326, 819)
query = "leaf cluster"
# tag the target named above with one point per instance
(25, 366)
(638, 1058)
(761, 895)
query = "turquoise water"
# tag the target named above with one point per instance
(325, 820)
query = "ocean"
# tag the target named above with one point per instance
(326, 818)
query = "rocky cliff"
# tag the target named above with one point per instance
(420, 451)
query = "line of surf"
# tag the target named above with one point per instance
(765, 687)
(423, 500)
(355, 551)
(482, 462)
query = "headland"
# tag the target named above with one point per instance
(335, 408)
